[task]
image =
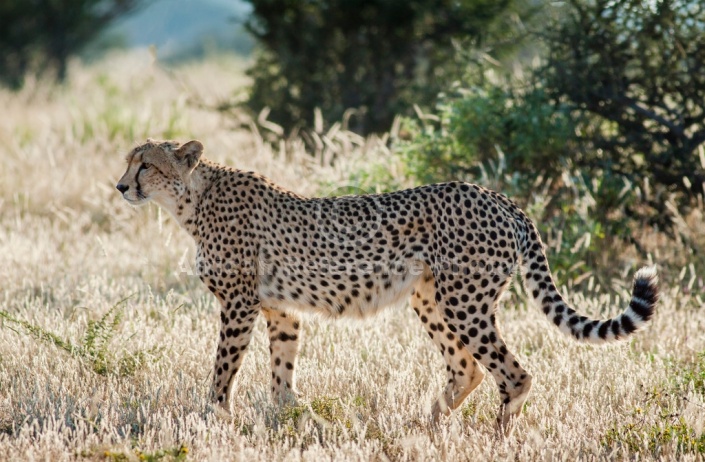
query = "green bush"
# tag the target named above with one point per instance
(532, 135)
(636, 69)
(618, 99)
(375, 57)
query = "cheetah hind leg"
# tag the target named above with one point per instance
(513, 381)
(514, 388)
(462, 370)
(485, 343)
(284, 334)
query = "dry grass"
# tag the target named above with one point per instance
(72, 250)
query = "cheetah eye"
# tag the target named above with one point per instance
(144, 166)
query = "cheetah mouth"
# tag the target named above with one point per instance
(140, 201)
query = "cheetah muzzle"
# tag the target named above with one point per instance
(450, 248)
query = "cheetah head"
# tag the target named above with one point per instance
(159, 171)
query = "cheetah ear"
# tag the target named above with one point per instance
(189, 153)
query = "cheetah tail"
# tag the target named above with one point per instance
(538, 283)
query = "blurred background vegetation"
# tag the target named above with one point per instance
(590, 113)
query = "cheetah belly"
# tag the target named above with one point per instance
(339, 295)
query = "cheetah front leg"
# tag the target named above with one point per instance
(284, 334)
(238, 313)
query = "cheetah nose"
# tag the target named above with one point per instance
(122, 188)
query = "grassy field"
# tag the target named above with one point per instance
(107, 338)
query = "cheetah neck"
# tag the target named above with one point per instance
(190, 196)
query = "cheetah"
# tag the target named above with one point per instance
(450, 248)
